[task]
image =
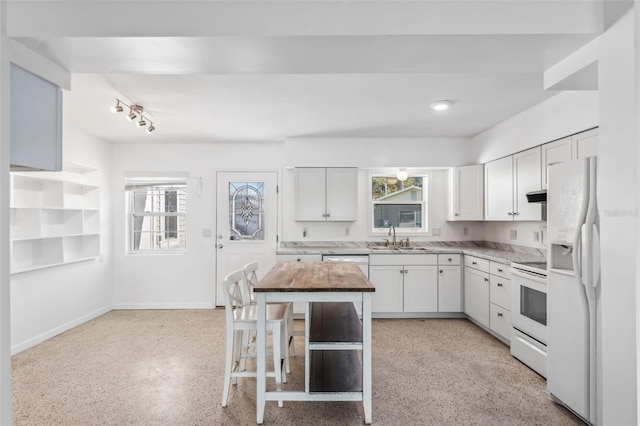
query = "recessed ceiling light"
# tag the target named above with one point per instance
(441, 105)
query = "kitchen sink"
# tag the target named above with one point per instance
(398, 248)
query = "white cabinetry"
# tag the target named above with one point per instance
(449, 283)
(487, 295)
(578, 146)
(476, 289)
(323, 194)
(466, 191)
(585, 144)
(507, 181)
(54, 218)
(404, 283)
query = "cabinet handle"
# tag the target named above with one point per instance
(457, 214)
(299, 260)
(474, 263)
(402, 271)
(450, 259)
(486, 280)
(499, 284)
(500, 270)
(328, 214)
(510, 213)
(440, 270)
(516, 213)
(499, 314)
(406, 272)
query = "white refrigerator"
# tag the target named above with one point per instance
(573, 285)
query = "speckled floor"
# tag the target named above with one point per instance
(166, 368)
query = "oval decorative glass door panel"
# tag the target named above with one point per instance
(246, 211)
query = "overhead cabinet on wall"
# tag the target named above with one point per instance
(578, 146)
(466, 193)
(507, 181)
(326, 193)
(54, 218)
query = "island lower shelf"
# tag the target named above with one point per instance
(334, 344)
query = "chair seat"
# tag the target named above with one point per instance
(275, 312)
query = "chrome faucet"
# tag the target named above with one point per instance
(393, 228)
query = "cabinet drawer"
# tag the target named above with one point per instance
(500, 291)
(449, 259)
(500, 321)
(403, 259)
(476, 263)
(500, 269)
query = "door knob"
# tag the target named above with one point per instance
(219, 246)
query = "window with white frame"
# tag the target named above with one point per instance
(402, 204)
(156, 209)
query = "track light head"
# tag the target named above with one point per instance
(132, 115)
(151, 128)
(141, 123)
(117, 107)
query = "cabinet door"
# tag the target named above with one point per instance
(310, 193)
(449, 289)
(476, 295)
(466, 191)
(421, 288)
(555, 152)
(585, 144)
(387, 280)
(526, 178)
(342, 194)
(498, 189)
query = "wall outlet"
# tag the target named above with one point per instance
(347, 231)
(436, 231)
(513, 234)
(465, 230)
(536, 236)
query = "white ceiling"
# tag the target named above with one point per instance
(209, 71)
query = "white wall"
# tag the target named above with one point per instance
(49, 301)
(183, 281)
(618, 202)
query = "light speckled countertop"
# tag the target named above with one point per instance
(497, 252)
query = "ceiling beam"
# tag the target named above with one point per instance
(174, 18)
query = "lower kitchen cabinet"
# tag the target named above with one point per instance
(404, 283)
(476, 295)
(487, 295)
(449, 289)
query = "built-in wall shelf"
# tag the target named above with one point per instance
(54, 218)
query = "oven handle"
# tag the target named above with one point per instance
(536, 278)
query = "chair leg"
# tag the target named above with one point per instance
(227, 367)
(285, 350)
(244, 350)
(237, 353)
(290, 342)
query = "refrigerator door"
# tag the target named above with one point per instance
(568, 342)
(567, 200)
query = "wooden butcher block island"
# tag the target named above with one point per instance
(334, 334)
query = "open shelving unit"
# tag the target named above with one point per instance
(54, 218)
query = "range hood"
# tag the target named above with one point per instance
(537, 196)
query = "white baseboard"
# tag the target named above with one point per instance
(29, 343)
(164, 306)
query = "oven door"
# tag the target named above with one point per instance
(529, 304)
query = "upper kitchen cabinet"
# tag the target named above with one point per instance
(507, 181)
(326, 193)
(466, 191)
(574, 147)
(554, 152)
(36, 122)
(585, 144)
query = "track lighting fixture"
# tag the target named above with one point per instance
(135, 111)
(117, 107)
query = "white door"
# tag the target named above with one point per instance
(246, 223)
